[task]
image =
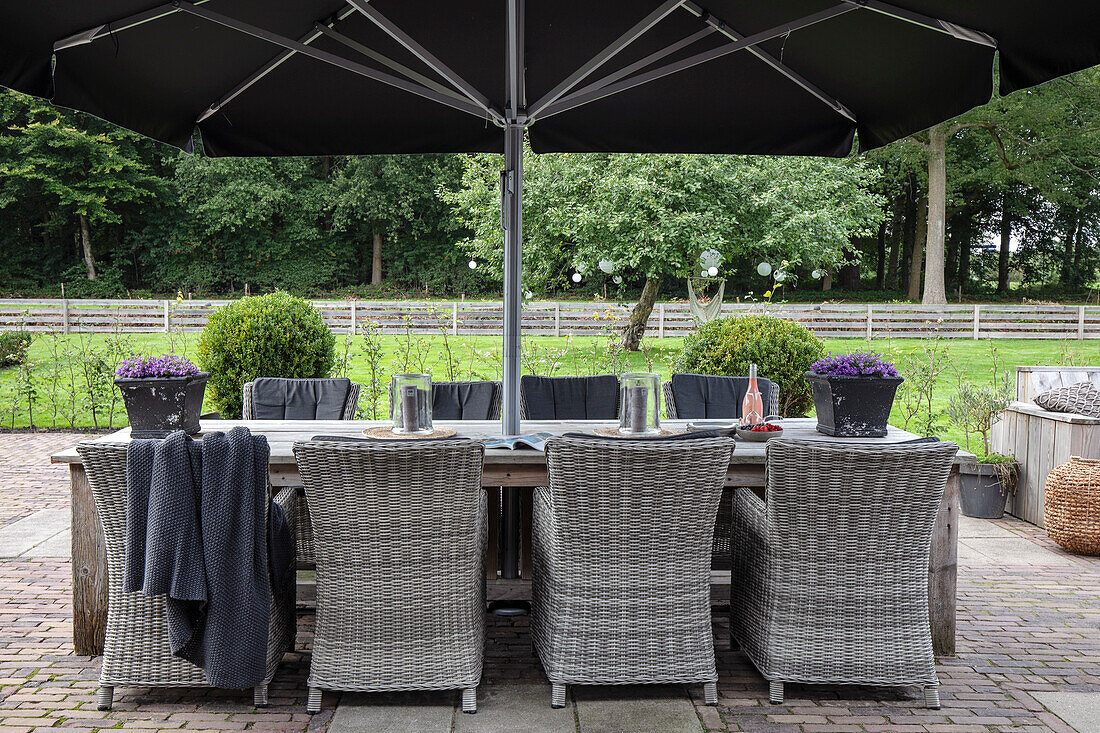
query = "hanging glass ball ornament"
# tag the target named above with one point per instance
(764, 269)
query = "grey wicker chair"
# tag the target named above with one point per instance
(400, 530)
(463, 400)
(621, 562)
(135, 650)
(304, 533)
(569, 398)
(831, 573)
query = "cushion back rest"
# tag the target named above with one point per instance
(274, 398)
(569, 398)
(704, 396)
(463, 400)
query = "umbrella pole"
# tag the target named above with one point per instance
(512, 220)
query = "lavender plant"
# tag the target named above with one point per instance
(859, 364)
(156, 367)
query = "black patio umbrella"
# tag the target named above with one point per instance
(301, 77)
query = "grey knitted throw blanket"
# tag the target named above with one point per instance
(196, 533)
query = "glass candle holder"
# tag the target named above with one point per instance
(412, 404)
(640, 404)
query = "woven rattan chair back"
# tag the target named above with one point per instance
(833, 569)
(135, 648)
(675, 411)
(399, 541)
(621, 549)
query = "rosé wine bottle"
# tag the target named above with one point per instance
(752, 407)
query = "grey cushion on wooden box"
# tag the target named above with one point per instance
(1081, 398)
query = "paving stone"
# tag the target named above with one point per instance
(60, 545)
(635, 709)
(423, 712)
(973, 527)
(23, 534)
(1079, 709)
(516, 709)
(1002, 551)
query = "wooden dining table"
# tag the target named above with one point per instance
(521, 468)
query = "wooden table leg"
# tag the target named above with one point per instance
(943, 570)
(89, 559)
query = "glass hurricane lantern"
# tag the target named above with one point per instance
(412, 404)
(640, 404)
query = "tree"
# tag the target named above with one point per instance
(84, 174)
(650, 216)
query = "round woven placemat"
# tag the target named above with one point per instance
(384, 433)
(614, 433)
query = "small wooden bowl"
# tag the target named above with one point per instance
(758, 437)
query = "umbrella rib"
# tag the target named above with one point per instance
(636, 31)
(370, 13)
(722, 27)
(641, 63)
(386, 61)
(270, 66)
(119, 25)
(954, 30)
(330, 58)
(576, 100)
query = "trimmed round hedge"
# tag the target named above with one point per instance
(273, 335)
(781, 350)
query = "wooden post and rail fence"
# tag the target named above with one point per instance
(564, 318)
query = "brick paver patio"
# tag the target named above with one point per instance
(1029, 622)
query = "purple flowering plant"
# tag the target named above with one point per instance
(859, 364)
(154, 367)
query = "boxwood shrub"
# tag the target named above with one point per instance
(781, 350)
(273, 335)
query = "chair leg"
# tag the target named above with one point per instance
(775, 692)
(469, 700)
(259, 696)
(106, 698)
(313, 704)
(557, 695)
(710, 693)
(932, 696)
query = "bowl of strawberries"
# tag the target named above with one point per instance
(759, 432)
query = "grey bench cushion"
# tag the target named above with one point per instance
(704, 396)
(570, 398)
(465, 400)
(299, 399)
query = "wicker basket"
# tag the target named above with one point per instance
(1072, 510)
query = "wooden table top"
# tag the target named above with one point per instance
(282, 434)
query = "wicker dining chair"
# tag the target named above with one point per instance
(304, 533)
(400, 530)
(831, 571)
(135, 649)
(478, 400)
(621, 562)
(569, 398)
(345, 412)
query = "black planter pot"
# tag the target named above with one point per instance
(984, 488)
(853, 407)
(157, 407)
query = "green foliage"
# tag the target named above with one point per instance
(13, 347)
(782, 351)
(975, 408)
(273, 335)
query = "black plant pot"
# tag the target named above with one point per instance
(984, 488)
(157, 407)
(853, 407)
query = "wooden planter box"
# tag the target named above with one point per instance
(1041, 440)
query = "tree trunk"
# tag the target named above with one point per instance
(639, 317)
(1006, 240)
(848, 276)
(376, 261)
(910, 236)
(826, 281)
(896, 228)
(880, 273)
(935, 292)
(964, 259)
(920, 234)
(86, 245)
(1068, 276)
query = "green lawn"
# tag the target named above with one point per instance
(62, 399)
